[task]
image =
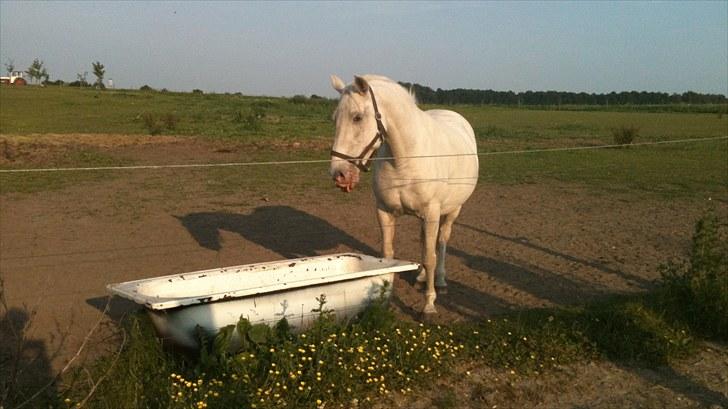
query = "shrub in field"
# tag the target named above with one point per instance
(633, 329)
(697, 290)
(250, 121)
(135, 378)
(156, 124)
(170, 121)
(298, 99)
(625, 135)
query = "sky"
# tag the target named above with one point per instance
(290, 48)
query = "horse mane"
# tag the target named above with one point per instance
(379, 81)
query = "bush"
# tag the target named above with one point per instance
(299, 99)
(625, 135)
(170, 121)
(146, 88)
(197, 91)
(697, 291)
(150, 122)
(158, 124)
(635, 329)
(252, 120)
(137, 377)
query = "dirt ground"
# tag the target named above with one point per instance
(512, 247)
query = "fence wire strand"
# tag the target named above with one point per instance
(315, 161)
(171, 249)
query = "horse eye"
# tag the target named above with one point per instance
(357, 118)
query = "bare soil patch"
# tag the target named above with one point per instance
(513, 247)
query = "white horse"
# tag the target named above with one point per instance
(426, 164)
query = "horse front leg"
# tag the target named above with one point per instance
(430, 227)
(386, 224)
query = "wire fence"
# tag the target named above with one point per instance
(147, 250)
(315, 161)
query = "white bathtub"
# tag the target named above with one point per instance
(262, 293)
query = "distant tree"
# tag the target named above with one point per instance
(36, 71)
(81, 80)
(99, 73)
(44, 76)
(427, 95)
(10, 66)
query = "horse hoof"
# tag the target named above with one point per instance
(429, 311)
(419, 285)
(441, 290)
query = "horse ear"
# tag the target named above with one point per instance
(361, 85)
(337, 83)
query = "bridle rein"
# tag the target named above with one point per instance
(363, 160)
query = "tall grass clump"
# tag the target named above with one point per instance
(696, 291)
(636, 330)
(251, 121)
(156, 124)
(625, 135)
(133, 379)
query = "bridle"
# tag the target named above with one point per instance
(361, 161)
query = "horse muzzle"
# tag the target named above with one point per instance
(346, 180)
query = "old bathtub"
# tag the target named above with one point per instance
(262, 293)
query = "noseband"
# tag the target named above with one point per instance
(360, 161)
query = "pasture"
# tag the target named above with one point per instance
(543, 230)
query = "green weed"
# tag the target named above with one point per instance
(696, 291)
(625, 135)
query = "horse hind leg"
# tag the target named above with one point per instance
(421, 280)
(430, 227)
(442, 239)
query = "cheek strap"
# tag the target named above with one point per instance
(362, 161)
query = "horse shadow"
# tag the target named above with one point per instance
(287, 231)
(460, 300)
(639, 281)
(543, 284)
(115, 308)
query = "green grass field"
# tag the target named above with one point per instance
(69, 110)
(667, 170)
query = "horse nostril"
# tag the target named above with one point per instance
(340, 174)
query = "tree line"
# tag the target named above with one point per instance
(440, 96)
(38, 73)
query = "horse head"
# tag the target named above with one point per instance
(359, 132)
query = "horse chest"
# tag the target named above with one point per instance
(399, 198)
